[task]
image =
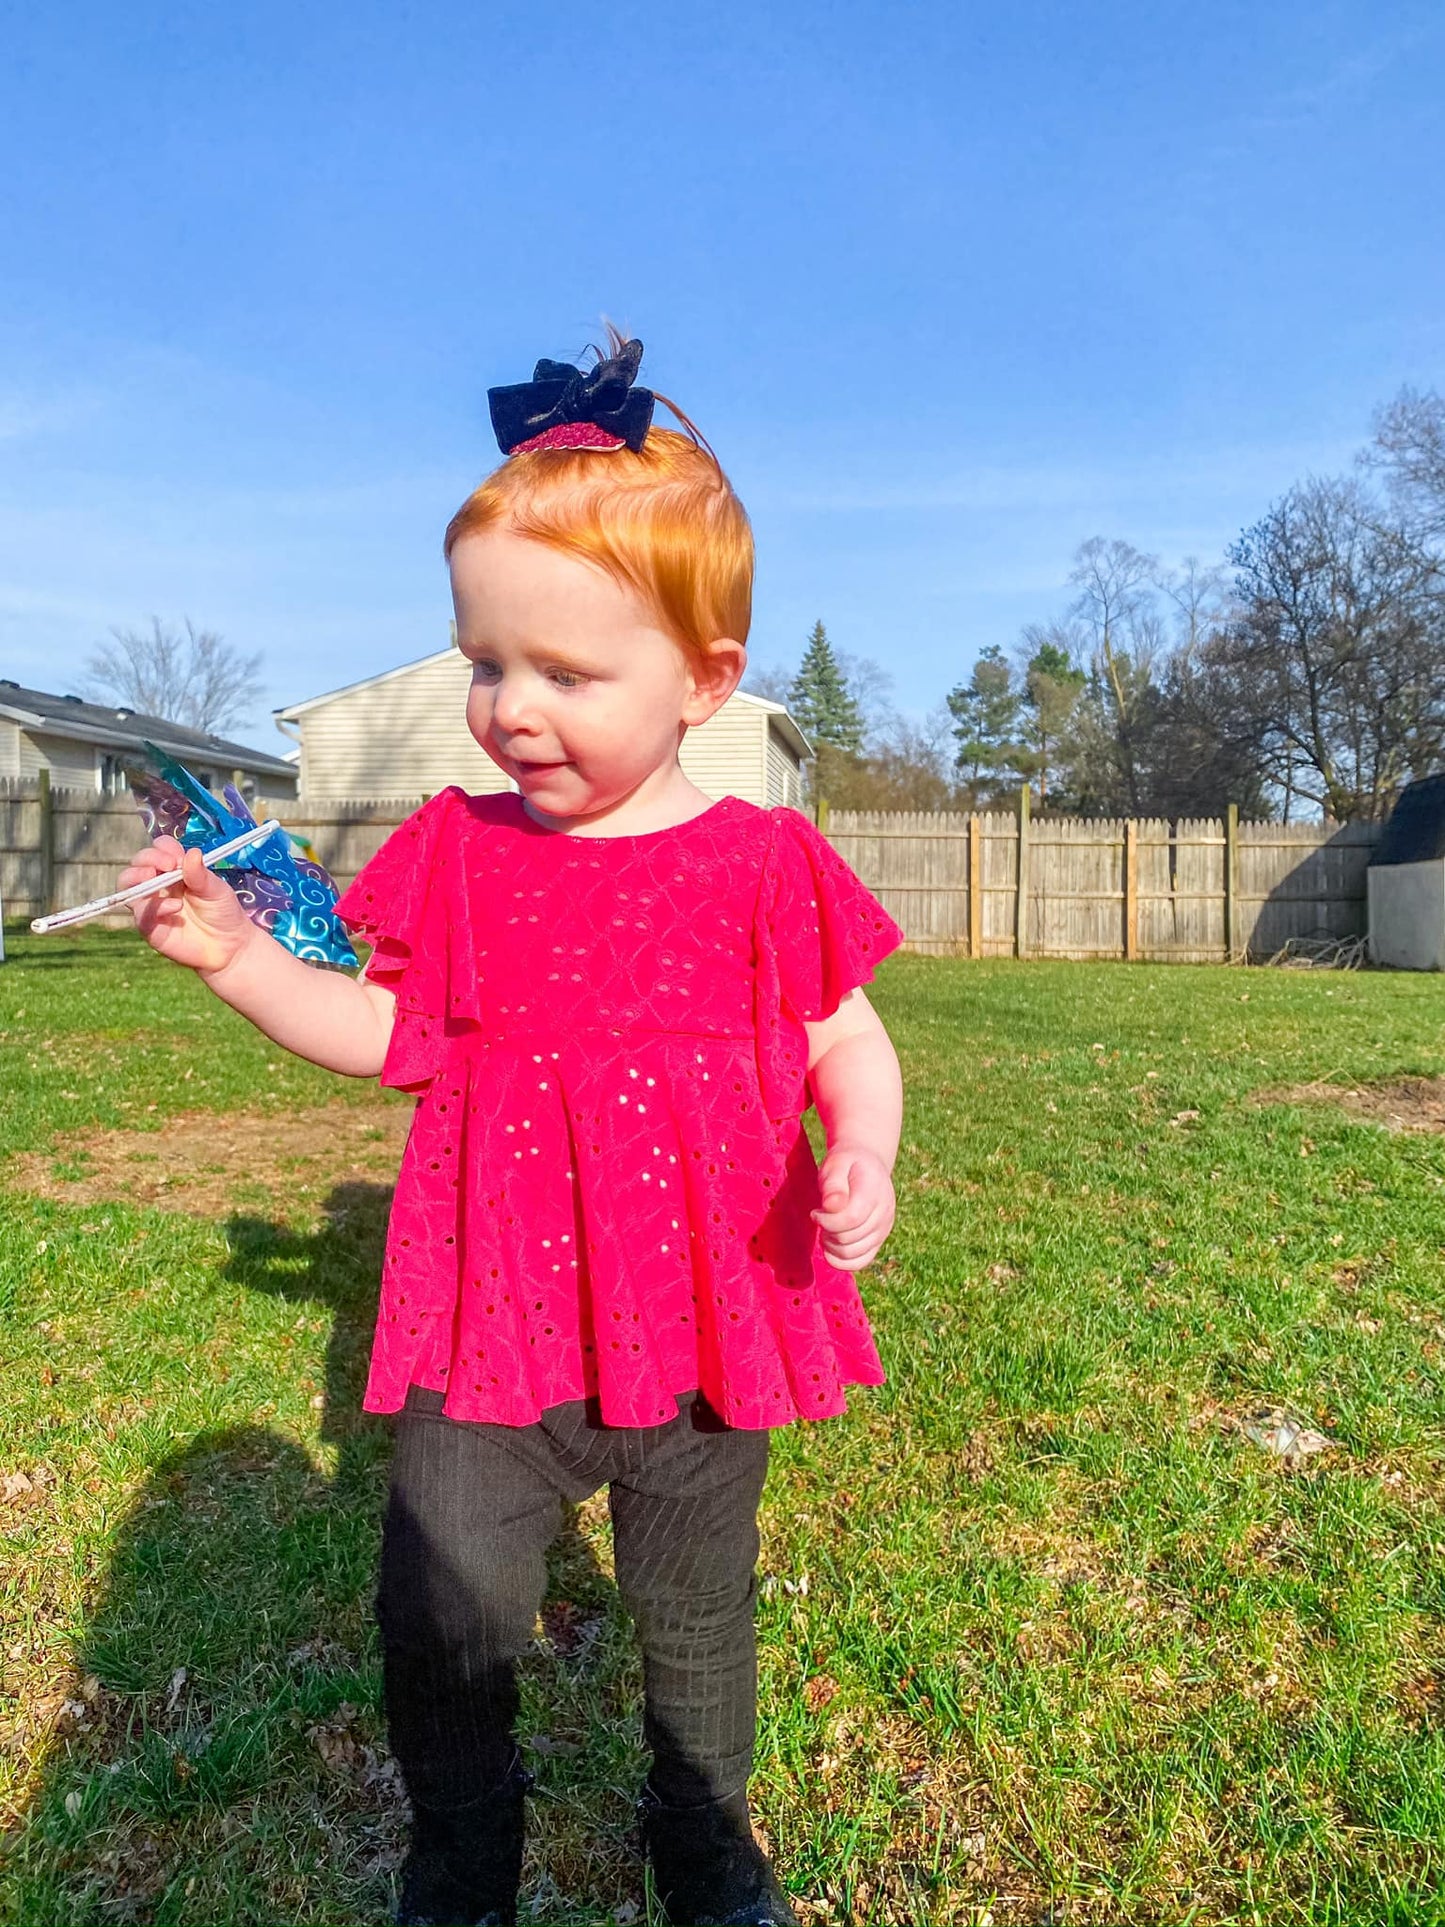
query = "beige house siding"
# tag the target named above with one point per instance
(725, 757)
(71, 765)
(405, 734)
(9, 747)
(784, 776)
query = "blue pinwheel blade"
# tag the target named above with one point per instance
(290, 897)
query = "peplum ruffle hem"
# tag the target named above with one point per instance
(607, 1188)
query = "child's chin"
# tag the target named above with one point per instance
(556, 793)
(548, 782)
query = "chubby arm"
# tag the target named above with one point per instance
(857, 1088)
(342, 1023)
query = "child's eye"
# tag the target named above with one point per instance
(567, 678)
(484, 670)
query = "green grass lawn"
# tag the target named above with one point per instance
(1045, 1636)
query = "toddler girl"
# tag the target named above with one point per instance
(611, 1259)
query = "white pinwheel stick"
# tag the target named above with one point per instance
(83, 912)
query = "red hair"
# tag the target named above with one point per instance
(665, 521)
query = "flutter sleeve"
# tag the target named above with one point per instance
(410, 904)
(819, 933)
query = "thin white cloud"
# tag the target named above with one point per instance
(26, 416)
(1026, 487)
(1293, 109)
(1350, 75)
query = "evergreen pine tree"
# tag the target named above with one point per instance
(823, 705)
(985, 710)
(1052, 687)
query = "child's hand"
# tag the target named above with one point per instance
(857, 1206)
(198, 920)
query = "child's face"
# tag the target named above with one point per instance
(576, 694)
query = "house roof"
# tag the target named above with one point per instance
(117, 727)
(292, 710)
(778, 717)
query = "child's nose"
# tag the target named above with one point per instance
(512, 706)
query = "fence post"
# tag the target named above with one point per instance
(1021, 892)
(822, 816)
(47, 845)
(975, 886)
(1231, 884)
(1131, 890)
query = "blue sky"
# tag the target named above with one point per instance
(950, 288)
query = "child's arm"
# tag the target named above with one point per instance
(853, 1070)
(342, 1023)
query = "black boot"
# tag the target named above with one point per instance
(464, 1863)
(708, 1869)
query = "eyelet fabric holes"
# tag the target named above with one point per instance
(410, 903)
(601, 1196)
(819, 933)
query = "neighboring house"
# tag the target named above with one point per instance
(90, 746)
(404, 733)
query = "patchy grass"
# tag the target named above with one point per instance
(207, 1166)
(1045, 1634)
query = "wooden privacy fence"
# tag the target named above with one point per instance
(994, 884)
(1206, 890)
(65, 846)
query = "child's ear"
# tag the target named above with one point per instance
(712, 678)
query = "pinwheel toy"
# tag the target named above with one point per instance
(277, 880)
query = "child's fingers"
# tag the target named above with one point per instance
(164, 855)
(857, 1258)
(839, 1224)
(853, 1260)
(200, 881)
(848, 1209)
(839, 1204)
(155, 913)
(852, 1244)
(856, 1209)
(872, 1231)
(150, 862)
(153, 861)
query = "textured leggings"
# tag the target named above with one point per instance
(471, 1512)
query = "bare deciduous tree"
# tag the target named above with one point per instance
(1335, 661)
(1115, 606)
(871, 687)
(771, 684)
(1409, 447)
(185, 677)
(1201, 598)
(906, 767)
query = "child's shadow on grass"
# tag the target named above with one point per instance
(223, 1756)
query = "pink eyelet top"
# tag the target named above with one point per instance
(607, 1188)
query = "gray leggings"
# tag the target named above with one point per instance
(471, 1512)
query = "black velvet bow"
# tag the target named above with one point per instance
(559, 395)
